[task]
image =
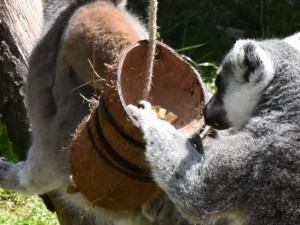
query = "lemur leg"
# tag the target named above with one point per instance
(38, 174)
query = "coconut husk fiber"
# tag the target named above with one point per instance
(107, 152)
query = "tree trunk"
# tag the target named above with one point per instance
(20, 25)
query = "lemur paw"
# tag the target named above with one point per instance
(142, 113)
(152, 127)
(9, 174)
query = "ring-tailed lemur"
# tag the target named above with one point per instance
(250, 175)
(59, 73)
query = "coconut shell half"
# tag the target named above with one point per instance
(107, 152)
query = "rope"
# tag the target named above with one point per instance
(152, 46)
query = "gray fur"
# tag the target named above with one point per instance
(55, 107)
(251, 174)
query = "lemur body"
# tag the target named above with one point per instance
(250, 175)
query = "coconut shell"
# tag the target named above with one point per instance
(107, 153)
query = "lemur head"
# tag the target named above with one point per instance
(242, 76)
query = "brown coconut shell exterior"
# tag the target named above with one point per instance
(107, 153)
(102, 183)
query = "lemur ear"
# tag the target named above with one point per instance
(253, 63)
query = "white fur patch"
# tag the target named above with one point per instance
(242, 97)
(240, 102)
(294, 41)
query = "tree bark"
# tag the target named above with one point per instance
(20, 25)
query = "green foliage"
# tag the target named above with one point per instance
(205, 68)
(6, 149)
(16, 209)
(261, 18)
(206, 30)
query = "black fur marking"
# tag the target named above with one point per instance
(214, 113)
(251, 62)
(196, 141)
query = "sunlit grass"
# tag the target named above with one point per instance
(17, 209)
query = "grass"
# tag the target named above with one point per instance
(16, 209)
